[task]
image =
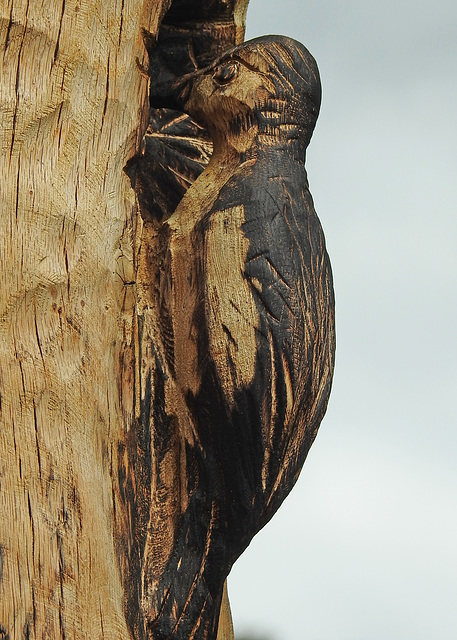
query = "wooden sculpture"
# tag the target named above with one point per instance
(166, 352)
(239, 276)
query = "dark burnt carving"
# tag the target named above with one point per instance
(242, 287)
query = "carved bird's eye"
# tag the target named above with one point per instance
(225, 73)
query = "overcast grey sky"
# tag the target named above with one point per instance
(365, 548)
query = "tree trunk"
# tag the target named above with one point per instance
(73, 105)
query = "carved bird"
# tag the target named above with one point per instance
(247, 316)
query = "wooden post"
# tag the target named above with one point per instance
(74, 104)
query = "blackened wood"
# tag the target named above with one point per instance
(192, 34)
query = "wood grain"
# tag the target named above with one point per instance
(175, 152)
(73, 110)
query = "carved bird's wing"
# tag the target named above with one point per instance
(270, 323)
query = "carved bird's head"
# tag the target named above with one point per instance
(268, 86)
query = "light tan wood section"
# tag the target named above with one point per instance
(73, 106)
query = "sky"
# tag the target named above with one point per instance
(365, 547)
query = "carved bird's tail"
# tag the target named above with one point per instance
(185, 602)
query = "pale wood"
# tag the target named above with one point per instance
(73, 108)
(225, 631)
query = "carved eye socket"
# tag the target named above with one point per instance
(225, 73)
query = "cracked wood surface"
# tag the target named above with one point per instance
(73, 103)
